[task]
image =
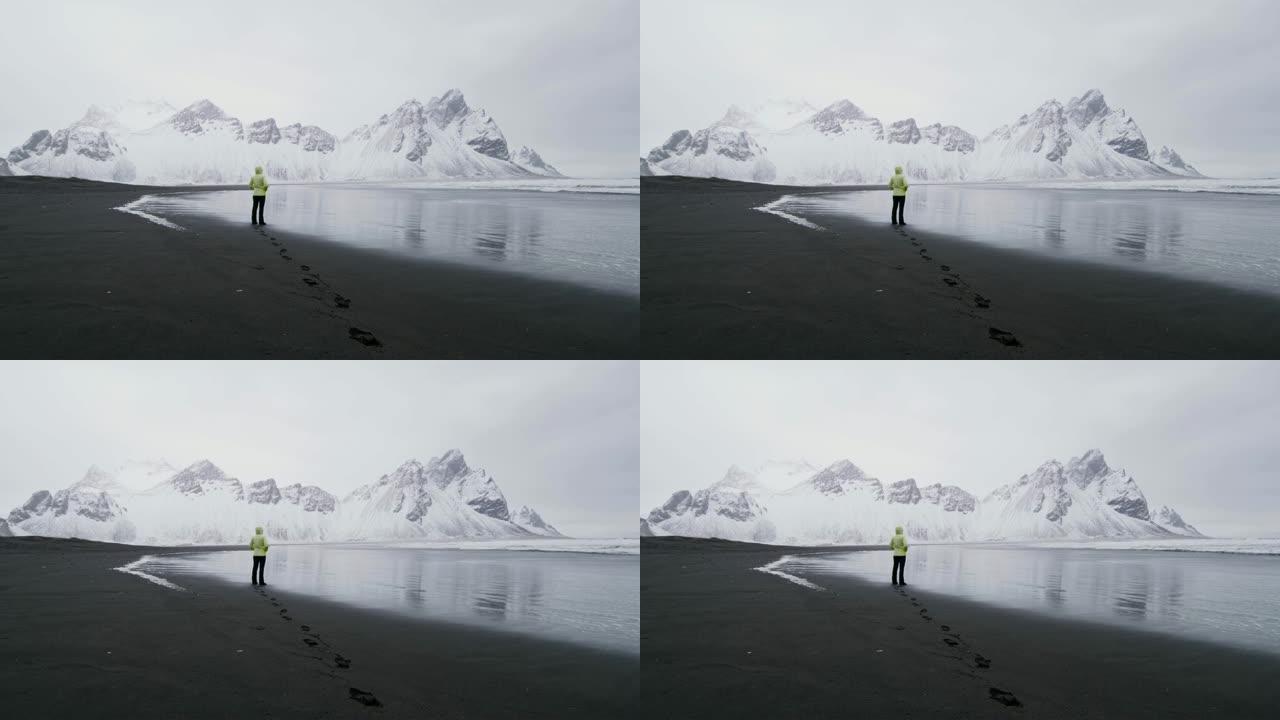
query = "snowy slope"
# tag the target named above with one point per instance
(1085, 498)
(793, 143)
(200, 504)
(154, 143)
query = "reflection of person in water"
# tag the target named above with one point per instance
(259, 547)
(258, 184)
(899, 547)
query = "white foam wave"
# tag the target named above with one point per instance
(132, 569)
(772, 569)
(132, 209)
(772, 209)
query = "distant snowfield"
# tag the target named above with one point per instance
(614, 546)
(1247, 546)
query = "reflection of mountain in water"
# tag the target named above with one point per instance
(591, 240)
(1216, 237)
(575, 597)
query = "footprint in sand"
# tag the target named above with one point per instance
(1004, 337)
(309, 281)
(306, 628)
(945, 268)
(305, 267)
(949, 281)
(981, 662)
(286, 618)
(261, 627)
(898, 267)
(283, 611)
(364, 337)
(310, 642)
(946, 628)
(898, 627)
(1004, 697)
(341, 301)
(364, 698)
(981, 301)
(950, 641)
(341, 662)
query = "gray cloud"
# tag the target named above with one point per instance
(1197, 76)
(558, 436)
(561, 77)
(1197, 436)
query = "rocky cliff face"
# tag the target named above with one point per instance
(1082, 498)
(842, 143)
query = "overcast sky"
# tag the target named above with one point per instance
(1199, 437)
(1197, 76)
(557, 436)
(559, 76)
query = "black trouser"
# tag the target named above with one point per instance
(899, 564)
(895, 215)
(259, 564)
(255, 215)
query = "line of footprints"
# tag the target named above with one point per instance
(313, 640)
(952, 279)
(952, 639)
(313, 279)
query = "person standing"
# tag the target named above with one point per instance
(259, 547)
(898, 184)
(899, 547)
(258, 184)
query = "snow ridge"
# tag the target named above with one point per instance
(443, 499)
(792, 143)
(152, 143)
(841, 504)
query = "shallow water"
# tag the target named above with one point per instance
(1218, 597)
(589, 239)
(1223, 238)
(587, 599)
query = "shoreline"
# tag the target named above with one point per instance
(217, 650)
(720, 638)
(722, 280)
(81, 280)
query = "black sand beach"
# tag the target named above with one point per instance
(723, 281)
(79, 280)
(721, 640)
(80, 640)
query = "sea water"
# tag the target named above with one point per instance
(581, 234)
(1218, 236)
(1223, 597)
(588, 598)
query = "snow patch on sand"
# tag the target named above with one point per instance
(772, 209)
(772, 569)
(132, 569)
(132, 209)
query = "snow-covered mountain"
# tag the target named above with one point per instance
(1085, 498)
(200, 504)
(791, 142)
(154, 143)
(5, 170)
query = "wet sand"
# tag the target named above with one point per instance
(82, 640)
(721, 280)
(80, 280)
(722, 640)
